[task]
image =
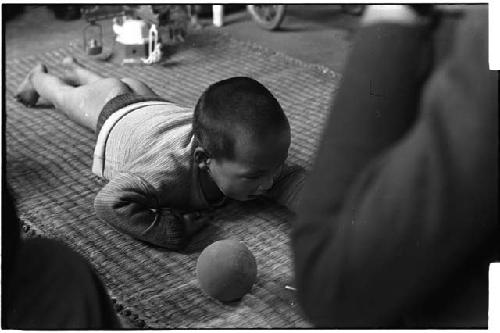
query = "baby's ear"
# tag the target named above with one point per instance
(201, 158)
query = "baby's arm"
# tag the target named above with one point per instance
(129, 203)
(287, 186)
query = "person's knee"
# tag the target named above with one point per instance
(58, 268)
(59, 256)
(54, 287)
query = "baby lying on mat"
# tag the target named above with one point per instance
(166, 165)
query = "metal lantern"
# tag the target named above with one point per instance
(92, 38)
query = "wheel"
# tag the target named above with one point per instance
(356, 10)
(267, 16)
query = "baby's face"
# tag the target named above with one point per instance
(252, 171)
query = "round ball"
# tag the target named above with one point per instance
(226, 270)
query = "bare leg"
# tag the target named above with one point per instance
(81, 104)
(25, 92)
(78, 74)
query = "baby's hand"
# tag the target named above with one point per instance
(193, 222)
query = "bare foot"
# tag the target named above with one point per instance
(26, 93)
(76, 74)
(69, 64)
(69, 61)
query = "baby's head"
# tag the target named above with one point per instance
(242, 137)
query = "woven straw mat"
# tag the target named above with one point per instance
(49, 170)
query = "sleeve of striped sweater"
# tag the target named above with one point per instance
(129, 203)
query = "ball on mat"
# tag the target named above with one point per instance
(226, 270)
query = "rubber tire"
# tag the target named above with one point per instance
(261, 21)
(356, 10)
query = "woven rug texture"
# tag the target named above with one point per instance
(48, 166)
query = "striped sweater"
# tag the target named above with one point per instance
(145, 151)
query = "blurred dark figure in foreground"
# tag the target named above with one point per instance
(398, 222)
(11, 11)
(45, 285)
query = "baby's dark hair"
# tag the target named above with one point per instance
(232, 106)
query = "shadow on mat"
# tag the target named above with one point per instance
(197, 243)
